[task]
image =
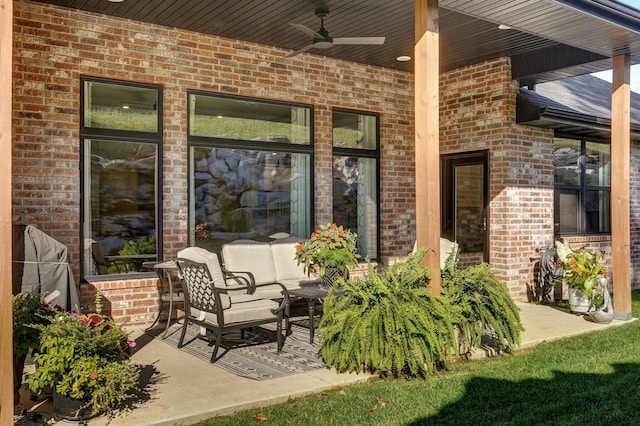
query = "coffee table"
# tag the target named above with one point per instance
(311, 294)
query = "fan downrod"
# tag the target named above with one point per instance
(325, 41)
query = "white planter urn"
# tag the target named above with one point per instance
(578, 302)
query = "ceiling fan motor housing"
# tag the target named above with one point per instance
(323, 42)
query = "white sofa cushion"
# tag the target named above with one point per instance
(250, 256)
(284, 261)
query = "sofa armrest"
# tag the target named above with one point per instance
(245, 277)
(284, 303)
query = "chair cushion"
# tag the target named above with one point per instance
(200, 255)
(252, 310)
(271, 291)
(250, 256)
(284, 261)
(446, 247)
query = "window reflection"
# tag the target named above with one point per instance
(355, 177)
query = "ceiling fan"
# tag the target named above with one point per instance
(322, 39)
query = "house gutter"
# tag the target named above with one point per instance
(583, 120)
(610, 11)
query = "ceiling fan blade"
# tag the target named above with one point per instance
(297, 52)
(306, 30)
(358, 40)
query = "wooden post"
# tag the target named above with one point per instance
(427, 138)
(620, 167)
(6, 319)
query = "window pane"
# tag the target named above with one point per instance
(598, 164)
(566, 160)
(248, 194)
(469, 207)
(597, 211)
(120, 107)
(355, 200)
(120, 205)
(249, 120)
(354, 130)
(567, 211)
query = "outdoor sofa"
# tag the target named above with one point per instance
(266, 263)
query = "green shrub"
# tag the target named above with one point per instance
(85, 357)
(481, 305)
(387, 322)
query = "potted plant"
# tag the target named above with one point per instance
(329, 251)
(85, 359)
(583, 269)
(28, 309)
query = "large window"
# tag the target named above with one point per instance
(250, 169)
(355, 177)
(582, 186)
(121, 139)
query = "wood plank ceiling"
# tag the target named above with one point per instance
(548, 39)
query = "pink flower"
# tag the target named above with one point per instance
(94, 376)
(131, 343)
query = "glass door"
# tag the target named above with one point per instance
(464, 204)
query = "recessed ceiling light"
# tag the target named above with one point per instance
(403, 58)
(504, 27)
(116, 1)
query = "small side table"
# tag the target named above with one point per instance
(311, 294)
(165, 271)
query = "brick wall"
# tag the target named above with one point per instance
(479, 113)
(634, 206)
(54, 46)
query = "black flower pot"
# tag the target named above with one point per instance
(18, 369)
(67, 408)
(332, 275)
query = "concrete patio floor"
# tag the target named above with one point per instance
(187, 390)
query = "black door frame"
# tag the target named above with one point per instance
(448, 162)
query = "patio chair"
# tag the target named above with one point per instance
(221, 305)
(100, 264)
(447, 247)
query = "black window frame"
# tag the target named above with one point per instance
(194, 141)
(122, 136)
(582, 188)
(362, 153)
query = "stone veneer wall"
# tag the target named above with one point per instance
(54, 46)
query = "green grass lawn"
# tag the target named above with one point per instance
(589, 379)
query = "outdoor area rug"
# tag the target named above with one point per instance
(256, 356)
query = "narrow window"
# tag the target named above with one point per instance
(356, 158)
(121, 142)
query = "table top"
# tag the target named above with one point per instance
(167, 264)
(312, 292)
